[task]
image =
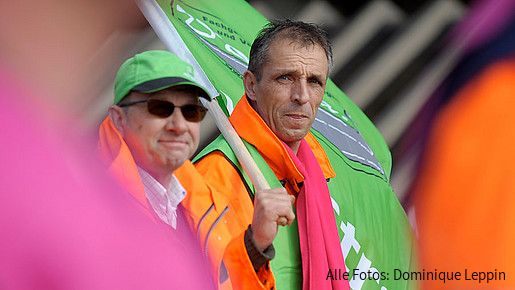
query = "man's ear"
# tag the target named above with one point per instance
(119, 117)
(249, 82)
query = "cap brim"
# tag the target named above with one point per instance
(164, 83)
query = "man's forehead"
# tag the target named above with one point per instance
(283, 40)
(279, 45)
(295, 58)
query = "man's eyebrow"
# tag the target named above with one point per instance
(287, 71)
(315, 75)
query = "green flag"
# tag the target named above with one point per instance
(375, 236)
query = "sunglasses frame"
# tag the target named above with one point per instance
(203, 110)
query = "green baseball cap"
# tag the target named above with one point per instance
(152, 71)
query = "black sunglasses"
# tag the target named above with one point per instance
(164, 109)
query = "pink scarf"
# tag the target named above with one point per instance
(319, 241)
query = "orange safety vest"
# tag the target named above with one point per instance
(200, 205)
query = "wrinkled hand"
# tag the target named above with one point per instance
(271, 208)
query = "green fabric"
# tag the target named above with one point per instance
(367, 203)
(164, 69)
(371, 223)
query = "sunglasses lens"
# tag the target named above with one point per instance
(160, 108)
(193, 113)
(164, 109)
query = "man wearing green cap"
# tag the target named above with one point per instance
(152, 129)
(145, 142)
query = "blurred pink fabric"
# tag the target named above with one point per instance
(65, 225)
(485, 19)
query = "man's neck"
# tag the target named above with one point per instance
(165, 178)
(294, 146)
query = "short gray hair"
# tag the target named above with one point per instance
(299, 32)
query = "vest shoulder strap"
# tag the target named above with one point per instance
(221, 145)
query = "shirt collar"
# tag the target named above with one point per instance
(163, 200)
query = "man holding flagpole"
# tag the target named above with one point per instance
(284, 86)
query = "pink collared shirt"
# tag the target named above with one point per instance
(164, 201)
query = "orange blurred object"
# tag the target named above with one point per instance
(465, 197)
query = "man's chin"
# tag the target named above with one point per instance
(293, 135)
(175, 162)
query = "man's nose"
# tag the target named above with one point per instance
(176, 122)
(300, 92)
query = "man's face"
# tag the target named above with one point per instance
(291, 88)
(160, 145)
